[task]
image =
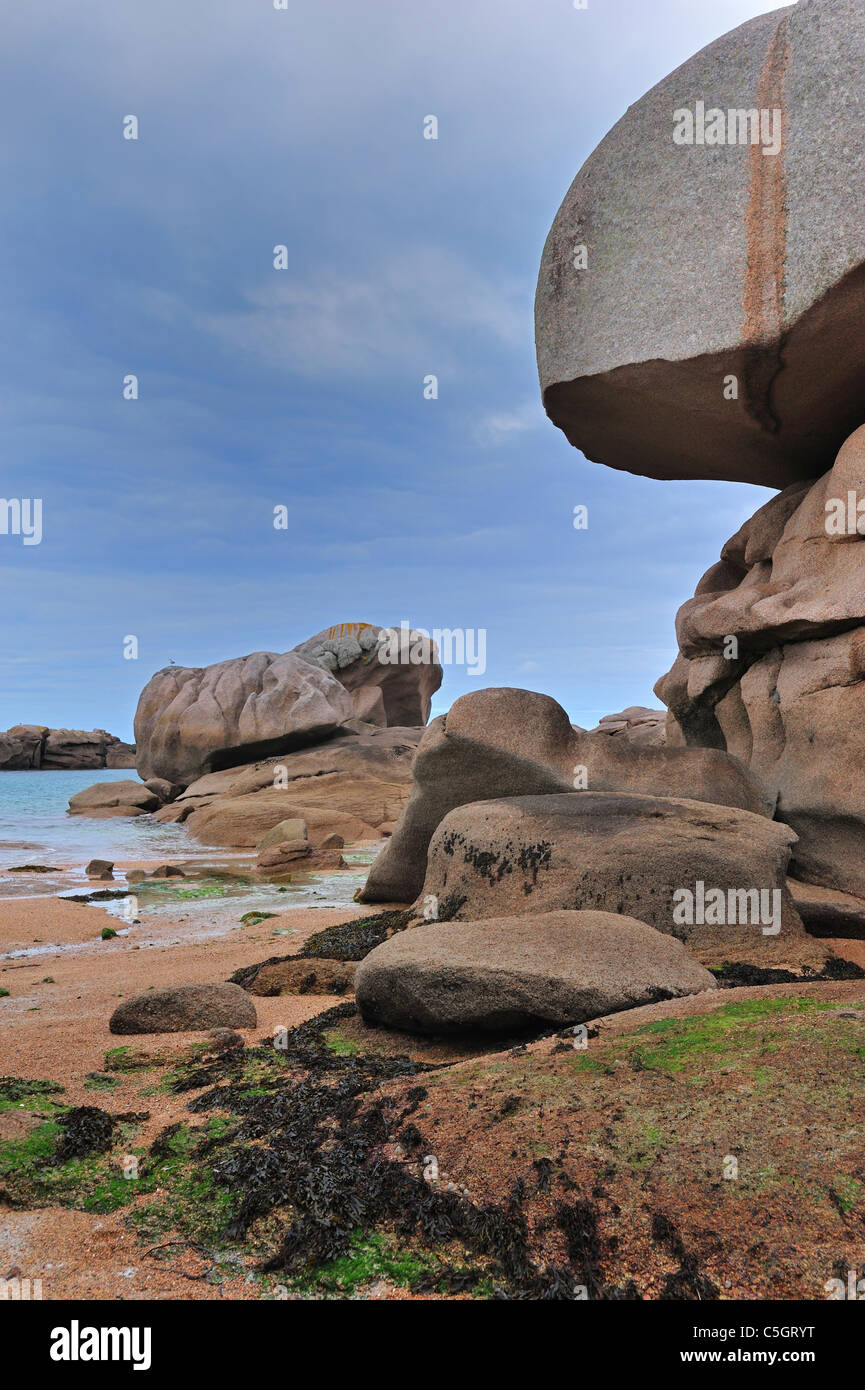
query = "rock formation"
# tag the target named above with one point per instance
(383, 693)
(348, 786)
(299, 975)
(625, 853)
(646, 728)
(771, 665)
(33, 747)
(192, 721)
(102, 869)
(677, 262)
(342, 790)
(108, 799)
(700, 315)
(297, 854)
(184, 1009)
(496, 743)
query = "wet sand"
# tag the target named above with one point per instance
(59, 1029)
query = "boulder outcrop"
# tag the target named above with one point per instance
(195, 721)
(771, 665)
(502, 742)
(348, 787)
(107, 799)
(712, 876)
(185, 1009)
(190, 721)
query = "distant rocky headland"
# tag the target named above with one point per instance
(35, 748)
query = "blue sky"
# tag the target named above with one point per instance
(304, 387)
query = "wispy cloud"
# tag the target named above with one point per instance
(415, 309)
(501, 427)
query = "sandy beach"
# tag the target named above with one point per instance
(54, 1025)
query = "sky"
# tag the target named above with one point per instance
(303, 387)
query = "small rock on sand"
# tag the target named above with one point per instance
(185, 1009)
(100, 868)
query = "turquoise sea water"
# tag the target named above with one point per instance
(35, 828)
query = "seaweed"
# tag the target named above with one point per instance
(309, 1151)
(450, 906)
(579, 1224)
(17, 1088)
(86, 1130)
(98, 895)
(347, 941)
(733, 974)
(687, 1283)
(354, 940)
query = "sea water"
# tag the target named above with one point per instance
(36, 828)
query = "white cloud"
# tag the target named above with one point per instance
(500, 427)
(412, 312)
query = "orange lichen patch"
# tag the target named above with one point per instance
(348, 630)
(766, 228)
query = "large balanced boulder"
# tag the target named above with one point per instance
(713, 876)
(384, 692)
(195, 720)
(700, 309)
(503, 742)
(771, 665)
(185, 1009)
(519, 972)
